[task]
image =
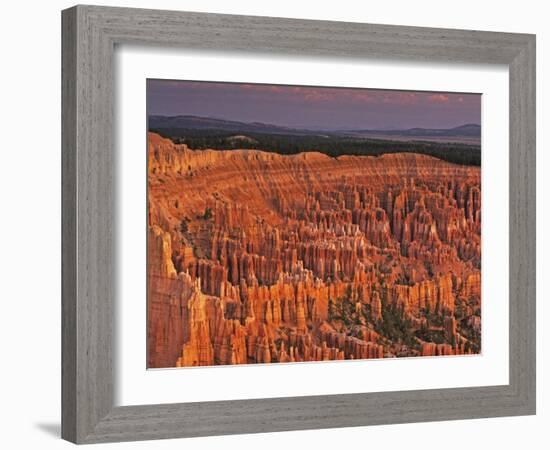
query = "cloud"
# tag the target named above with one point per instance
(438, 98)
(261, 87)
(310, 94)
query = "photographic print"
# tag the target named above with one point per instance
(297, 223)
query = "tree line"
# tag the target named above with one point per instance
(331, 145)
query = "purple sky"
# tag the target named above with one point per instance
(313, 107)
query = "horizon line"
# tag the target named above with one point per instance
(309, 128)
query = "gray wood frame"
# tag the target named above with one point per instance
(90, 34)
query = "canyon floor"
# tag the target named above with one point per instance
(257, 257)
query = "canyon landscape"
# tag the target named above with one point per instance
(336, 247)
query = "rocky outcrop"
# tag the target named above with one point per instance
(257, 257)
(167, 295)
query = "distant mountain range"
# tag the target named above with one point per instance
(469, 129)
(209, 123)
(468, 133)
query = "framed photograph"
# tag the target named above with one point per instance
(278, 224)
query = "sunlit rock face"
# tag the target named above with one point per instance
(256, 257)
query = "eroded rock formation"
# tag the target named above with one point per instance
(256, 257)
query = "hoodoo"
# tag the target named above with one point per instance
(258, 257)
